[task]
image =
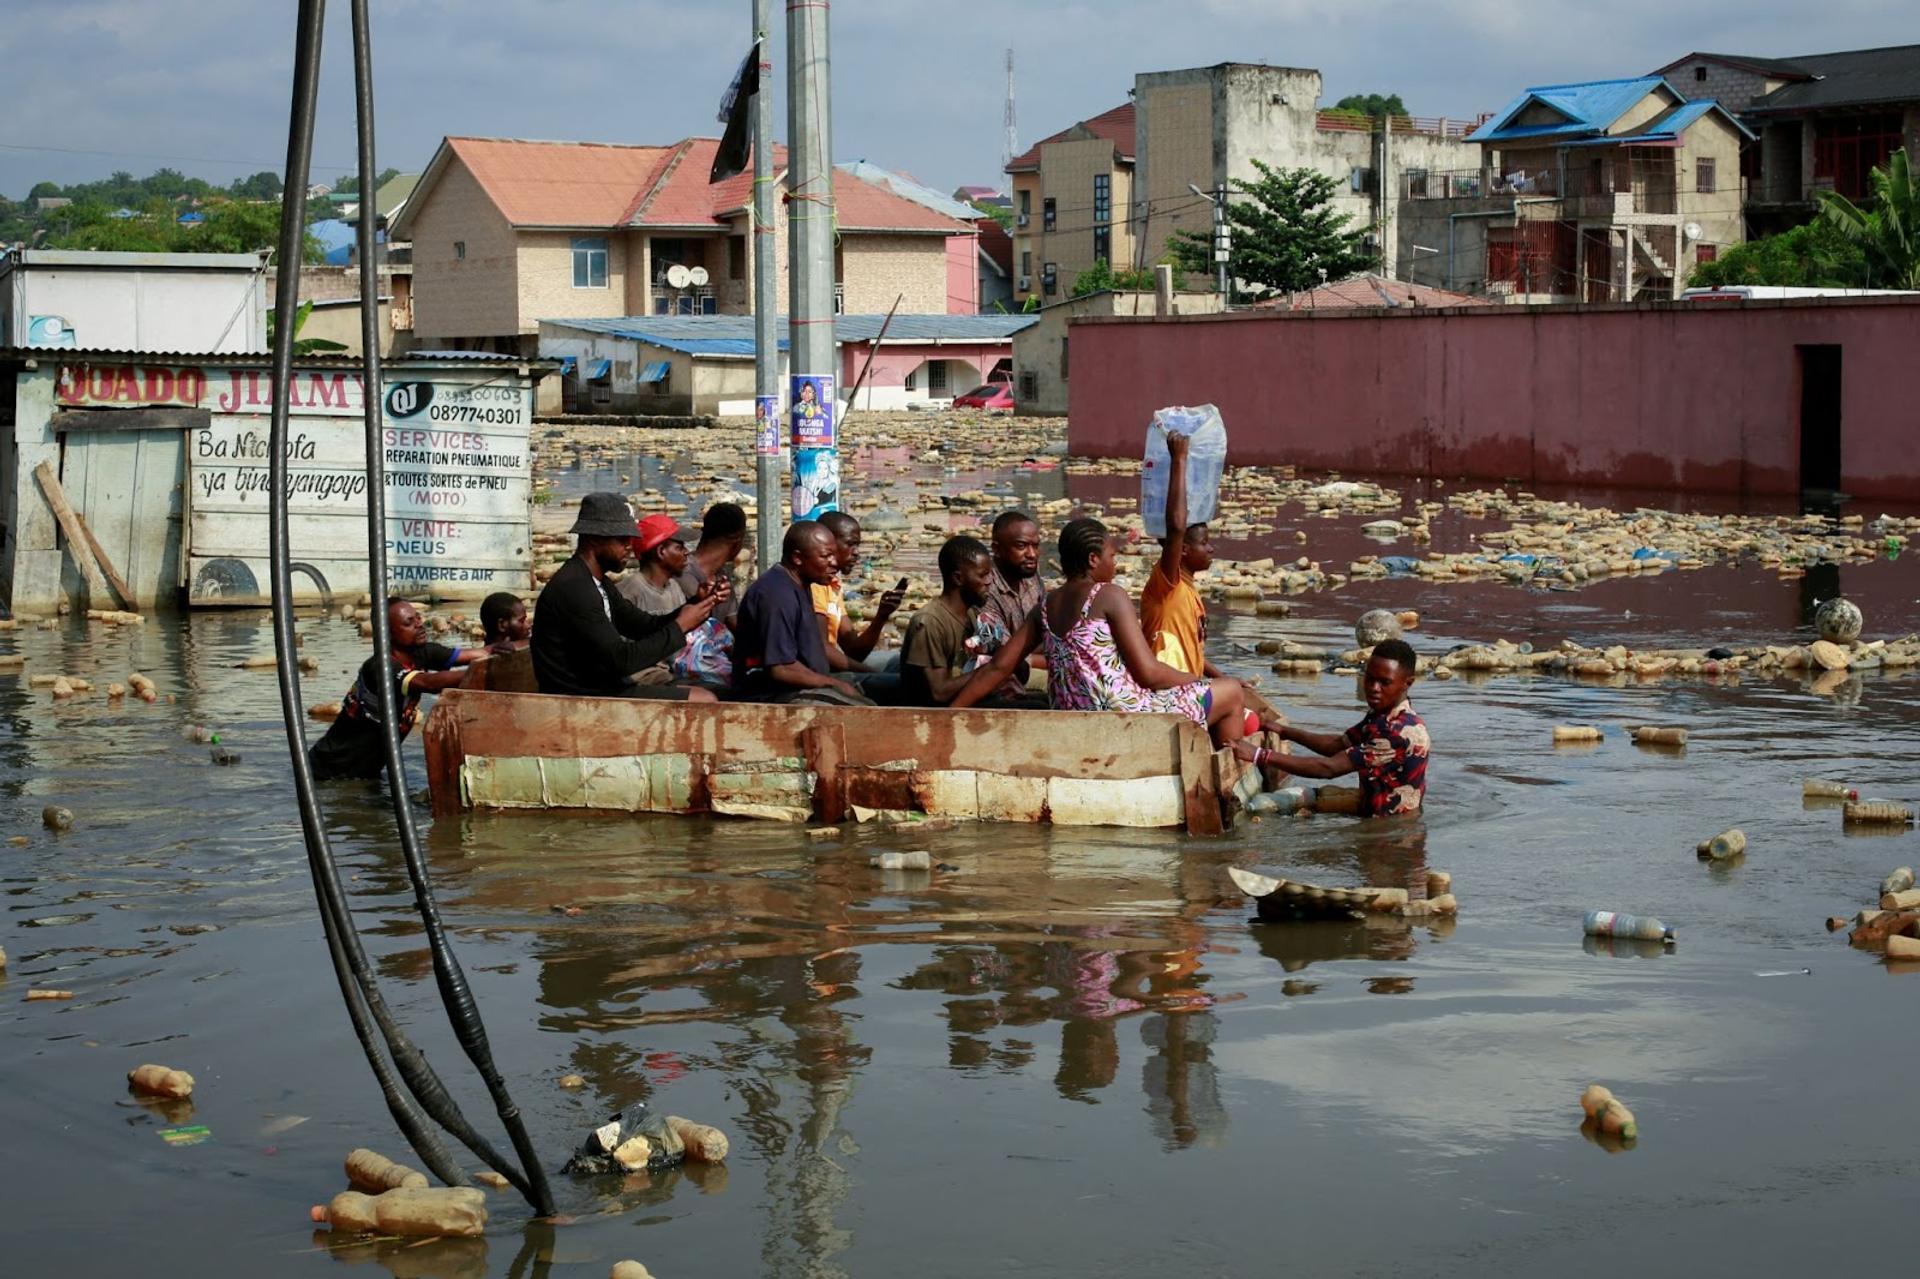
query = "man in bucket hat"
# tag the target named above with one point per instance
(588, 639)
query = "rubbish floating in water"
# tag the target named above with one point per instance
(703, 1143)
(374, 1173)
(54, 817)
(630, 1140)
(324, 710)
(1839, 621)
(450, 1210)
(573, 1081)
(1816, 788)
(286, 1123)
(3, 958)
(1901, 946)
(44, 993)
(1877, 810)
(824, 832)
(1282, 899)
(1725, 845)
(1649, 735)
(1786, 972)
(1871, 927)
(225, 755)
(488, 1177)
(160, 1081)
(1612, 923)
(192, 1135)
(1609, 1113)
(629, 1270)
(143, 687)
(918, 860)
(1906, 900)
(1563, 733)
(1828, 655)
(1897, 882)
(199, 733)
(1376, 626)
(1290, 800)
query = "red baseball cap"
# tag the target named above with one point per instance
(654, 530)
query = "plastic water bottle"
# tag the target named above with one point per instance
(1206, 460)
(1613, 923)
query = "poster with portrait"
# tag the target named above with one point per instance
(813, 409)
(816, 483)
(766, 421)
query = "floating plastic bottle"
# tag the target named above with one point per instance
(1650, 735)
(448, 1211)
(1563, 733)
(159, 1081)
(1897, 882)
(373, 1173)
(918, 860)
(1816, 788)
(1877, 810)
(1206, 460)
(1613, 923)
(1725, 845)
(1609, 1113)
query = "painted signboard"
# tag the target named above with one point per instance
(458, 477)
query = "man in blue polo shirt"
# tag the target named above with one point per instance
(779, 654)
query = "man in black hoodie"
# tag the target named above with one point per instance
(587, 638)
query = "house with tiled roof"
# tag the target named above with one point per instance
(1824, 121)
(507, 232)
(1071, 194)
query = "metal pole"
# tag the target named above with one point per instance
(766, 308)
(1220, 237)
(812, 386)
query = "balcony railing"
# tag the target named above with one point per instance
(1428, 126)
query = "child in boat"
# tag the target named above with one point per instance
(1097, 655)
(355, 744)
(504, 622)
(1388, 748)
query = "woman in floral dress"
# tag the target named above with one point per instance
(1097, 655)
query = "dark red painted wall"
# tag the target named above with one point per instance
(1663, 395)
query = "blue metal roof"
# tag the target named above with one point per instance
(1588, 107)
(1667, 129)
(732, 335)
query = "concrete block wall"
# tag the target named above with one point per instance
(880, 268)
(474, 296)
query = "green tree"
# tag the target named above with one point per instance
(264, 185)
(1001, 215)
(1286, 234)
(303, 346)
(1887, 231)
(1371, 105)
(231, 226)
(1816, 255)
(1102, 278)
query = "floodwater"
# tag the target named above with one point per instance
(1071, 1055)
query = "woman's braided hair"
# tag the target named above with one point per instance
(1080, 541)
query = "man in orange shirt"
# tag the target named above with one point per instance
(1171, 611)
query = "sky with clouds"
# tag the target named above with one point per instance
(98, 85)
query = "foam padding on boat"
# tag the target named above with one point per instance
(1101, 801)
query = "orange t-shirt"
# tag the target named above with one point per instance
(1175, 620)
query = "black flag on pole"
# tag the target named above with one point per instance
(735, 109)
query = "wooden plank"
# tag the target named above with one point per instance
(118, 583)
(440, 740)
(79, 545)
(143, 419)
(1197, 778)
(826, 750)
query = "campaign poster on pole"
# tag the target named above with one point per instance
(766, 420)
(813, 410)
(816, 483)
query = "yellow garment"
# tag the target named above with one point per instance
(830, 602)
(1175, 620)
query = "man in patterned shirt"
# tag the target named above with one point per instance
(1014, 590)
(1388, 748)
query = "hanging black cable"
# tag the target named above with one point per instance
(344, 947)
(455, 993)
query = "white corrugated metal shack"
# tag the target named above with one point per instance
(162, 459)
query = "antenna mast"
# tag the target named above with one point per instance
(1012, 144)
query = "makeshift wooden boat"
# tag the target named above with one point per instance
(492, 749)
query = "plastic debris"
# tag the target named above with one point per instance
(160, 1081)
(702, 1143)
(190, 1135)
(1565, 733)
(1611, 923)
(1815, 788)
(1609, 1113)
(199, 733)
(1649, 735)
(1898, 881)
(1908, 899)
(374, 1173)
(1876, 810)
(573, 1081)
(54, 817)
(44, 993)
(824, 832)
(631, 1139)
(1900, 946)
(1727, 844)
(225, 755)
(488, 1177)
(630, 1270)
(419, 1212)
(1375, 626)
(918, 860)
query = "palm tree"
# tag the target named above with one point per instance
(1888, 229)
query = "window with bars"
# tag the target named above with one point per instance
(1103, 197)
(1047, 212)
(1703, 175)
(936, 377)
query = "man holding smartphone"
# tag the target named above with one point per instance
(848, 648)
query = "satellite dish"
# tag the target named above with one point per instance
(678, 276)
(1691, 230)
(697, 276)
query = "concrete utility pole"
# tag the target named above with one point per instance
(1222, 241)
(768, 437)
(813, 397)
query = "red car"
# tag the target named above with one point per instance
(994, 395)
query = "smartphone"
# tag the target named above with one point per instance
(900, 585)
